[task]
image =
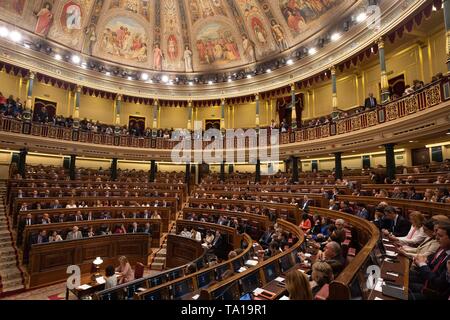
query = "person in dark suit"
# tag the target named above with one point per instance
(380, 221)
(332, 254)
(306, 203)
(371, 102)
(28, 221)
(147, 229)
(430, 279)
(218, 246)
(400, 226)
(41, 237)
(266, 238)
(134, 228)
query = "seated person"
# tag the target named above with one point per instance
(124, 270)
(322, 274)
(297, 285)
(416, 234)
(428, 246)
(400, 226)
(111, 277)
(332, 254)
(429, 279)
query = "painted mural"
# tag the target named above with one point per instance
(71, 17)
(201, 9)
(298, 13)
(174, 35)
(216, 45)
(44, 19)
(135, 6)
(15, 6)
(124, 38)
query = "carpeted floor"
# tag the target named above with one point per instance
(54, 292)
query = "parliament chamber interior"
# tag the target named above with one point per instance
(224, 150)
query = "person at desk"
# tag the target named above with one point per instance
(416, 234)
(429, 278)
(322, 274)
(400, 226)
(306, 223)
(74, 234)
(124, 270)
(111, 277)
(332, 254)
(428, 246)
(306, 203)
(297, 285)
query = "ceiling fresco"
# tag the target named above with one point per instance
(176, 35)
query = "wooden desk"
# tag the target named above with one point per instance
(401, 267)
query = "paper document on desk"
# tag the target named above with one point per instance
(391, 253)
(100, 280)
(379, 285)
(308, 255)
(280, 279)
(392, 274)
(84, 287)
(258, 291)
(242, 269)
(195, 297)
(284, 298)
(376, 298)
(251, 263)
(389, 245)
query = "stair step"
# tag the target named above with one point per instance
(7, 265)
(10, 273)
(159, 260)
(157, 266)
(10, 285)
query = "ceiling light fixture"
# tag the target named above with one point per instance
(15, 36)
(4, 32)
(312, 51)
(336, 36)
(76, 59)
(361, 17)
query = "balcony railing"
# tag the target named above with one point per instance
(428, 97)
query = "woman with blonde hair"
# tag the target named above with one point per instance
(322, 274)
(124, 270)
(416, 234)
(298, 286)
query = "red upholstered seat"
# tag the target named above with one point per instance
(323, 293)
(139, 270)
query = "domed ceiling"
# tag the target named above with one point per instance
(177, 35)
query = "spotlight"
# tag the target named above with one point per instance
(76, 59)
(15, 36)
(361, 17)
(335, 36)
(4, 32)
(312, 51)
